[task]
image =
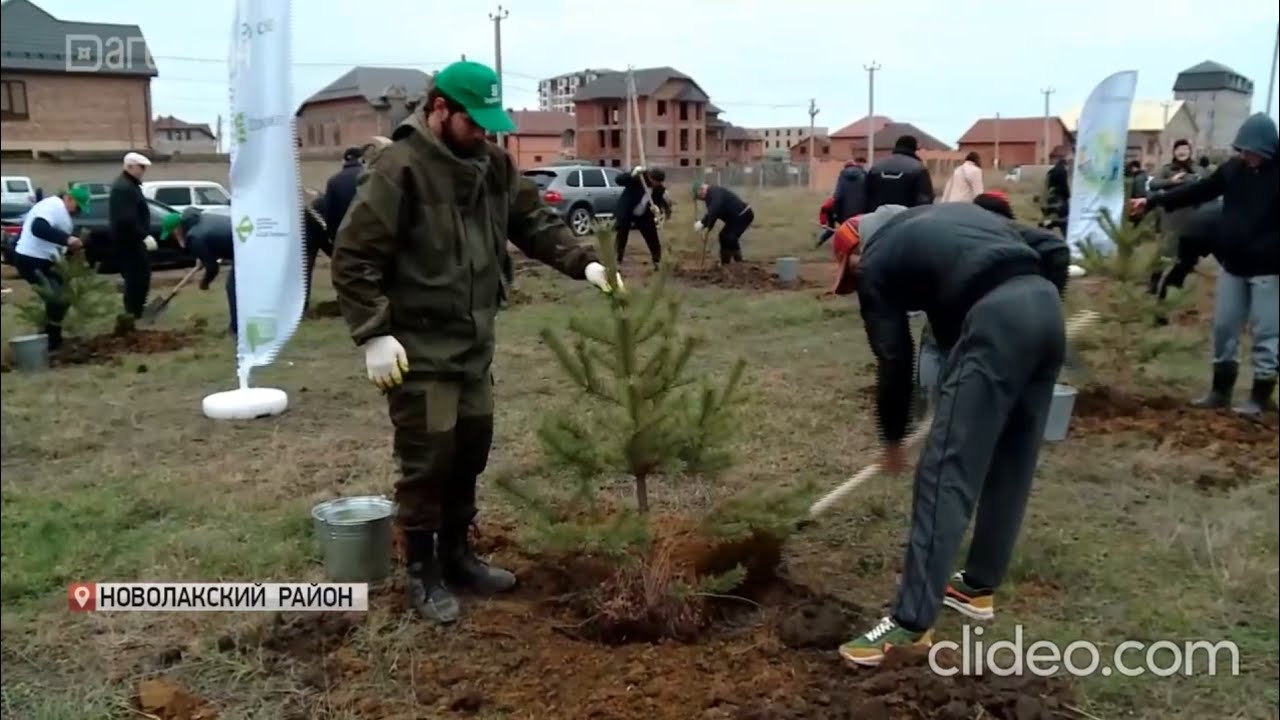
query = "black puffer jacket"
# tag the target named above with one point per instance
(900, 179)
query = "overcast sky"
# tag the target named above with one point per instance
(944, 63)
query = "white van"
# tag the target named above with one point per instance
(182, 194)
(17, 190)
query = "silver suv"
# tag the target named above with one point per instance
(579, 193)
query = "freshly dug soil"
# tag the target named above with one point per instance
(105, 348)
(525, 656)
(740, 276)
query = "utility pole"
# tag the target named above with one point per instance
(218, 137)
(1275, 58)
(995, 162)
(871, 110)
(1164, 129)
(1046, 92)
(497, 19)
(813, 113)
(627, 135)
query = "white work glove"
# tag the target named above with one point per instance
(150, 242)
(697, 226)
(1076, 271)
(597, 275)
(386, 361)
(635, 171)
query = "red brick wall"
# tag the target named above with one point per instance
(535, 150)
(80, 112)
(601, 130)
(336, 124)
(1024, 153)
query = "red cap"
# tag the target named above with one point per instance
(843, 243)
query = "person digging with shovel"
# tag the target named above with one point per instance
(209, 237)
(725, 206)
(418, 270)
(1000, 321)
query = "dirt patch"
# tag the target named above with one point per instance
(166, 700)
(100, 349)
(738, 276)
(323, 309)
(1172, 423)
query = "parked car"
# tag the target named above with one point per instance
(181, 194)
(17, 189)
(579, 193)
(92, 226)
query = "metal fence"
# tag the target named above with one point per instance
(758, 176)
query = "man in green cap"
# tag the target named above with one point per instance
(46, 235)
(209, 238)
(418, 266)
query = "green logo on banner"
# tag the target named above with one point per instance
(244, 229)
(260, 331)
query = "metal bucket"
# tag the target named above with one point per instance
(1064, 402)
(30, 353)
(788, 270)
(353, 536)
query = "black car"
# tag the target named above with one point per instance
(92, 226)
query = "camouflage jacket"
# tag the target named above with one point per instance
(422, 251)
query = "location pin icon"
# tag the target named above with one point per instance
(82, 595)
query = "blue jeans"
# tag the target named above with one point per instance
(1251, 301)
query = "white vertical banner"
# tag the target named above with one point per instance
(1097, 182)
(266, 205)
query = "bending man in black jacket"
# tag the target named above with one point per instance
(208, 236)
(724, 205)
(643, 189)
(340, 190)
(129, 217)
(900, 179)
(1001, 321)
(1247, 245)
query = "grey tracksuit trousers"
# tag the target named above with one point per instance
(1252, 301)
(983, 445)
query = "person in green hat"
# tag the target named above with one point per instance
(47, 234)
(419, 269)
(209, 238)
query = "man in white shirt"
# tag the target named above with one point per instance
(46, 235)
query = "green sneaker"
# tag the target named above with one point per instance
(869, 649)
(972, 602)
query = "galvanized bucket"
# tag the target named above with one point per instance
(30, 353)
(353, 536)
(1064, 402)
(788, 270)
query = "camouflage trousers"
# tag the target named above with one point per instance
(443, 432)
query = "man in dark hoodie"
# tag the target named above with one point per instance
(900, 179)
(851, 190)
(1248, 248)
(644, 194)
(725, 206)
(209, 238)
(1055, 204)
(991, 308)
(340, 190)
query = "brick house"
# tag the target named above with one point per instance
(673, 113)
(1011, 142)
(1153, 128)
(72, 88)
(851, 141)
(729, 144)
(172, 136)
(541, 137)
(362, 103)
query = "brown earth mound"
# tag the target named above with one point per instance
(105, 348)
(738, 276)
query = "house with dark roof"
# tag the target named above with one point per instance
(730, 144)
(1220, 100)
(673, 112)
(72, 88)
(173, 136)
(360, 104)
(853, 140)
(1014, 141)
(541, 137)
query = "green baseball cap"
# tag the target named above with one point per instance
(476, 88)
(80, 194)
(168, 224)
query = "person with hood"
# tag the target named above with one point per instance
(129, 217)
(644, 195)
(850, 195)
(1055, 204)
(46, 234)
(966, 182)
(1247, 246)
(900, 179)
(340, 189)
(725, 206)
(207, 236)
(418, 268)
(1000, 320)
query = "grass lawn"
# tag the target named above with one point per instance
(1143, 526)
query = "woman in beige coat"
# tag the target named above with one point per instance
(966, 182)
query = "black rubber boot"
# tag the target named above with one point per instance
(1259, 400)
(428, 594)
(464, 569)
(1224, 381)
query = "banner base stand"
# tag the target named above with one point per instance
(245, 403)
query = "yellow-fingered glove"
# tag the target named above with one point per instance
(386, 361)
(598, 276)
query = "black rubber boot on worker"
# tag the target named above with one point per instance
(1224, 381)
(465, 570)
(427, 592)
(1259, 400)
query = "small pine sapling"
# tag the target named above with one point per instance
(88, 295)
